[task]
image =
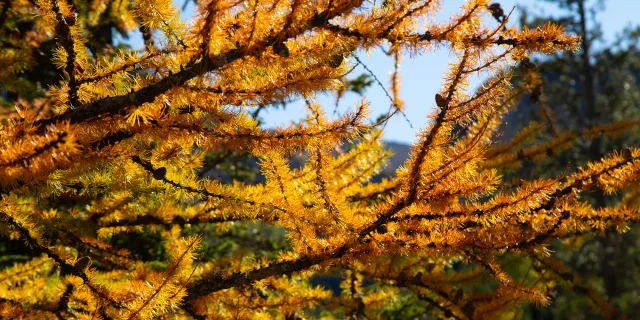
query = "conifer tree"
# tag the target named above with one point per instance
(565, 108)
(113, 147)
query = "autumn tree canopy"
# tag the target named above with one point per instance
(99, 142)
(594, 86)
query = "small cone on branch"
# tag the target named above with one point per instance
(441, 102)
(82, 264)
(336, 60)
(281, 49)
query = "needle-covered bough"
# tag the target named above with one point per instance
(100, 143)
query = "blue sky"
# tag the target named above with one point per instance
(422, 75)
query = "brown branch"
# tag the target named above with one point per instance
(478, 213)
(515, 42)
(63, 304)
(20, 305)
(112, 138)
(176, 220)
(275, 90)
(394, 105)
(160, 174)
(353, 122)
(4, 13)
(105, 256)
(147, 36)
(413, 282)
(570, 276)
(371, 196)
(65, 39)
(116, 104)
(171, 272)
(332, 209)
(219, 282)
(23, 271)
(547, 205)
(460, 21)
(405, 15)
(414, 175)
(32, 242)
(124, 67)
(206, 29)
(365, 171)
(37, 151)
(538, 238)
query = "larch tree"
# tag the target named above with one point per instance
(99, 142)
(582, 90)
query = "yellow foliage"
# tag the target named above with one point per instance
(115, 146)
